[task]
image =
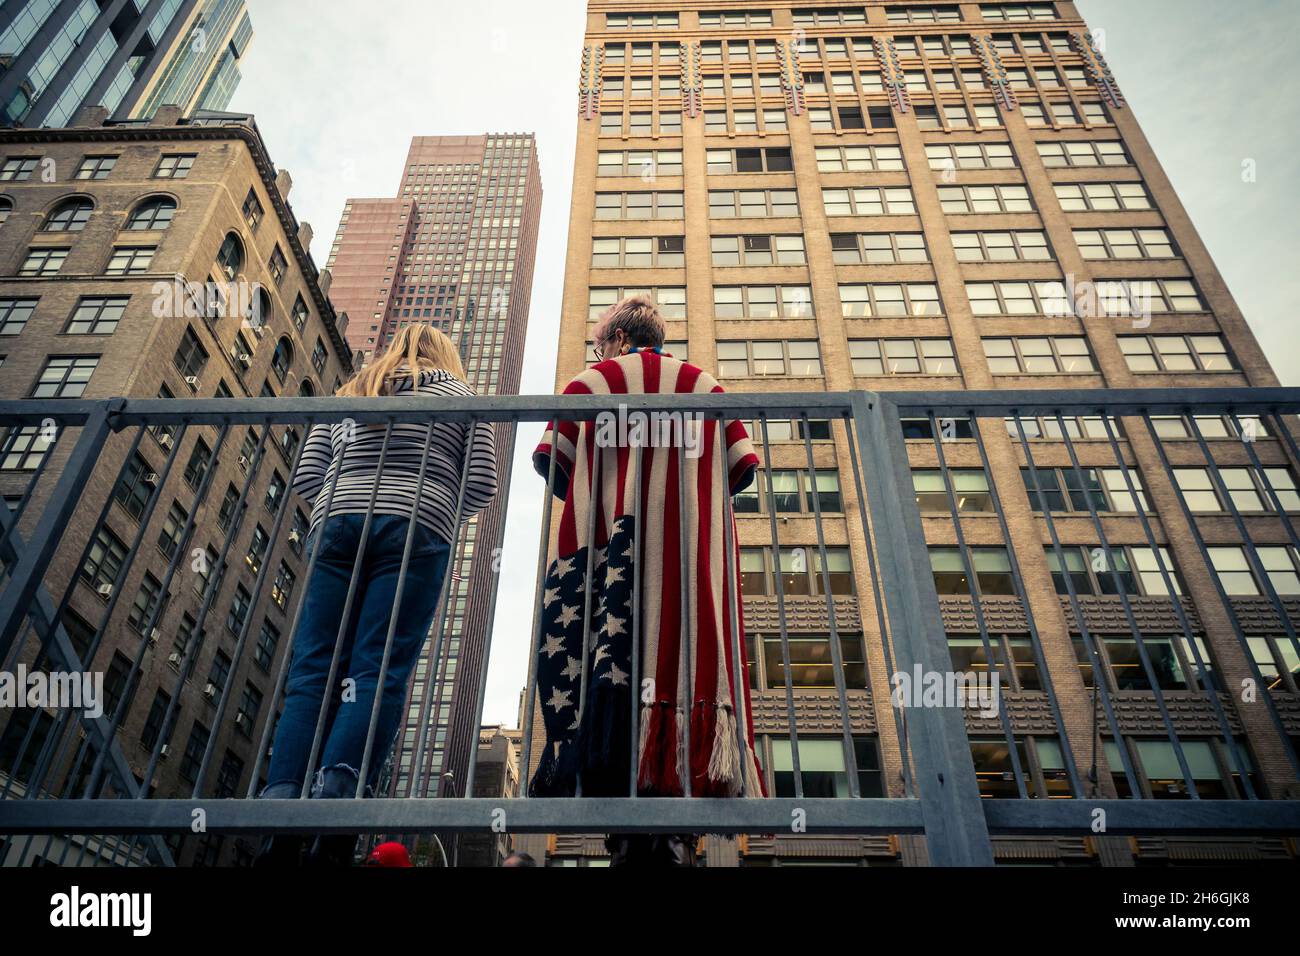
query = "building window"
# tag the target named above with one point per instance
(278, 265)
(879, 300)
(638, 253)
(169, 538)
(24, 448)
(1131, 571)
(230, 257)
(639, 205)
(876, 357)
(14, 314)
(65, 376)
(1176, 353)
(103, 564)
(197, 467)
(762, 302)
(267, 641)
(1103, 197)
(985, 199)
(771, 159)
(1082, 153)
(240, 605)
(175, 166)
(17, 169)
(130, 260)
(135, 486)
(991, 565)
(282, 588)
(1124, 243)
(869, 202)
(300, 313)
(1000, 246)
(792, 491)
(43, 261)
(97, 315)
(70, 216)
(761, 359)
(752, 250)
(95, 167)
(822, 770)
(970, 156)
(252, 210)
(1039, 356)
(878, 248)
(191, 357)
(257, 548)
(152, 215)
(969, 486)
(282, 359)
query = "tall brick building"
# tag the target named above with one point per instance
(455, 249)
(946, 196)
(161, 259)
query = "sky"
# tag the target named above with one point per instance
(339, 93)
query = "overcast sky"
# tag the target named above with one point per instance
(340, 87)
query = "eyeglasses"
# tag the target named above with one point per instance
(601, 346)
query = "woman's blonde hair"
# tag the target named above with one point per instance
(417, 348)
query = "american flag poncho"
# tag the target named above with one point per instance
(594, 744)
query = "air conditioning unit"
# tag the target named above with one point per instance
(153, 637)
(192, 381)
(245, 358)
(210, 691)
(240, 720)
(151, 477)
(105, 590)
(165, 440)
(165, 752)
(243, 461)
(174, 658)
(295, 536)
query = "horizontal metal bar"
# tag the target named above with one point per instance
(1126, 817)
(426, 815)
(537, 408)
(642, 815)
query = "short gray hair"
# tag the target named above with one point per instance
(638, 316)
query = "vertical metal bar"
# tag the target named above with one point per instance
(481, 693)
(246, 627)
(444, 615)
(407, 547)
(1127, 607)
(1276, 502)
(955, 829)
(1099, 675)
(1224, 599)
(780, 612)
(886, 639)
(200, 496)
(21, 508)
(977, 598)
(685, 679)
(318, 738)
(594, 504)
(1067, 751)
(29, 570)
(543, 549)
(837, 656)
(1176, 599)
(634, 626)
(282, 676)
(730, 599)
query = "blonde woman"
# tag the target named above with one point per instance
(421, 361)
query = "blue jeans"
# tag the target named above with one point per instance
(348, 720)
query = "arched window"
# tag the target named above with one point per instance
(306, 389)
(6, 207)
(230, 258)
(152, 215)
(282, 359)
(70, 215)
(261, 306)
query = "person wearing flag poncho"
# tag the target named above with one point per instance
(594, 745)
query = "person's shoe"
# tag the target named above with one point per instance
(280, 850)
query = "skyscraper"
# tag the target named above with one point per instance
(129, 56)
(927, 196)
(455, 248)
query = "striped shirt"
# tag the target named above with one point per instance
(356, 448)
